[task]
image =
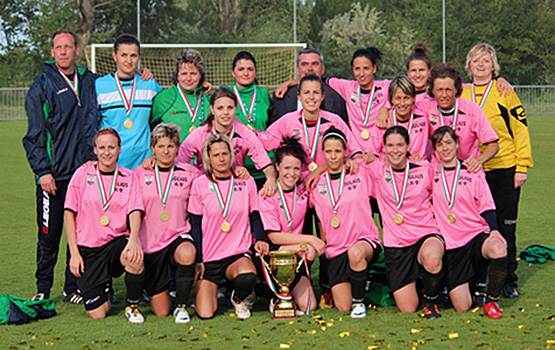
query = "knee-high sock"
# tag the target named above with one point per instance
(358, 284)
(244, 285)
(184, 276)
(496, 277)
(433, 283)
(134, 285)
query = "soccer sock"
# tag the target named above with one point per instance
(244, 285)
(134, 285)
(433, 283)
(358, 284)
(480, 274)
(496, 278)
(184, 276)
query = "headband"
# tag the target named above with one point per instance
(336, 135)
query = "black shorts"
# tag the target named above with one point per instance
(458, 262)
(214, 271)
(401, 264)
(160, 267)
(338, 267)
(101, 265)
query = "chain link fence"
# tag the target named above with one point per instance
(537, 99)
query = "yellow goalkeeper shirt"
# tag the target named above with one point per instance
(508, 119)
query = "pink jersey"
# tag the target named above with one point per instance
(155, 233)
(472, 198)
(418, 219)
(354, 212)
(472, 126)
(83, 198)
(419, 138)
(421, 96)
(273, 214)
(291, 125)
(244, 142)
(349, 90)
(217, 244)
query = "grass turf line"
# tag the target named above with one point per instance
(525, 323)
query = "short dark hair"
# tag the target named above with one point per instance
(334, 134)
(64, 31)
(438, 135)
(126, 39)
(290, 146)
(308, 50)
(442, 71)
(420, 53)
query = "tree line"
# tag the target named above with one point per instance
(523, 32)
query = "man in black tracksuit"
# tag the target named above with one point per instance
(62, 121)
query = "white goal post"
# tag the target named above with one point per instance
(275, 62)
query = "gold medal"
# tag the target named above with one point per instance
(104, 220)
(128, 123)
(192, 128)
(335, 222)
(399, 219)
(365, 134)
(312, 166)
(164, 215)
(226, 226)
(451, 218)
(250, 127)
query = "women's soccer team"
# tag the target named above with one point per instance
(440, 162)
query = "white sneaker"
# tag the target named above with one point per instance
(133, 314)
(358, 310)
(38, 296)
(241, 308)
(181, 315)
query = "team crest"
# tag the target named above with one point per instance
(436, 177)
(148, 179)
(322, 189)
(387, 176)
(434, 119)
(354, 97)
(90, 179)
(211, 188)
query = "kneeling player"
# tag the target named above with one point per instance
(224, 212)
(169, 249)
(342, 202)
(102, 201)
(464, 208)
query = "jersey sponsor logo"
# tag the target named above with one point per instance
(148, 179)
(90, 179)
(464, 180)
(352, 184)
(62, 91)
(45, 212)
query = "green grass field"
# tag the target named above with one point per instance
(528, 322)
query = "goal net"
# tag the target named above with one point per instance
(275, 63)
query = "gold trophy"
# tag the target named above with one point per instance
(283, 268)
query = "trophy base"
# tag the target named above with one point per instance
(285, 311)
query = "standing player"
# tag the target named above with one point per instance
(221, 120)
(102, 218)
(254, 103)
(506, 172)
(413, 246)
(125, 101)
(419, 66)
(185, 104)
(285, 100)
(169, 248)
(342, 202)
(402, 94)
(465, 117)
(62, 117)
(224, 215)
(463, 207)
(283, 216)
